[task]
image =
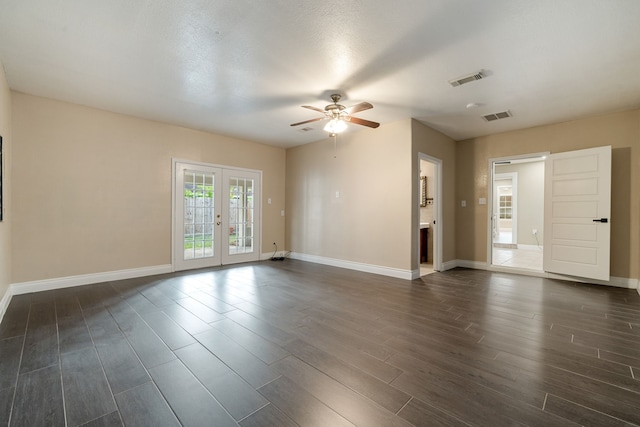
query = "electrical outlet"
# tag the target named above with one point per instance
(534, 231)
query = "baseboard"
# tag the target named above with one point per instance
(358, 266)
(618, 282)
(4, 303)
(269, 255)
(476, 265)
(448, 265)
(86, 279)
(505, 245)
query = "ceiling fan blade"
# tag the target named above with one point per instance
(364, 122)
(313, 108)
(359, 107)
(308, 121)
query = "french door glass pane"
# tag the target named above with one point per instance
(199, 214)
(241, 215)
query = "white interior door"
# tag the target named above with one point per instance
(216, 216)
(577, 213)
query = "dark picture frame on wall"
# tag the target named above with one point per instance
(1, 168)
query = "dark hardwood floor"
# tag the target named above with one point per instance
(294, 343)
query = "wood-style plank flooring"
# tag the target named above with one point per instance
(294, 343)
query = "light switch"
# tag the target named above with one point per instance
(482, 201)
(337, 194)
(282, 212)
(269, 200)
(463, 203)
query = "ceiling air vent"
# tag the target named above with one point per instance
(467, 79)
(497, 116)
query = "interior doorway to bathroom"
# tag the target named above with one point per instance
(430, 215)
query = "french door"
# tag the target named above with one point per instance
(216, 216)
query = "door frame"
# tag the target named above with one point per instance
(491, 203)
(174, 161)
(436, 232)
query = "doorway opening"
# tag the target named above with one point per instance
(505, 226)
(216, 215)
(517, 212)
(430, 215)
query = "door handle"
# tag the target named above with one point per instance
(601, 220)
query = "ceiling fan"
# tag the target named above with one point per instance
(338, 115)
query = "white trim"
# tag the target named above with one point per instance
(4, 303)
(448, 265)
(358, 266)
(86, 279)
(174, 163)
(264, 256)
(476, 265)
(618, 282)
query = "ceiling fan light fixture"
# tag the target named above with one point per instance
(338, 116)
(335, 126)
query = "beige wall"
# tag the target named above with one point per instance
(375, 219)
(620, 130)
(428, 141)
(371, 220)
(92, 189)
(5, 225)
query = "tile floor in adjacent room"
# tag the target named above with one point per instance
(426, 268)
(525, 256)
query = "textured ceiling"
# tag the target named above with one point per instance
(243, 68)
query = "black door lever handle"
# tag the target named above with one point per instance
(601, 220)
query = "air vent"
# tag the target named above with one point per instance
(497, 116)
(467, 79)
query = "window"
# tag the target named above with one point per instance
(505, 207)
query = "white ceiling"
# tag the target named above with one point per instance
(243, 68)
